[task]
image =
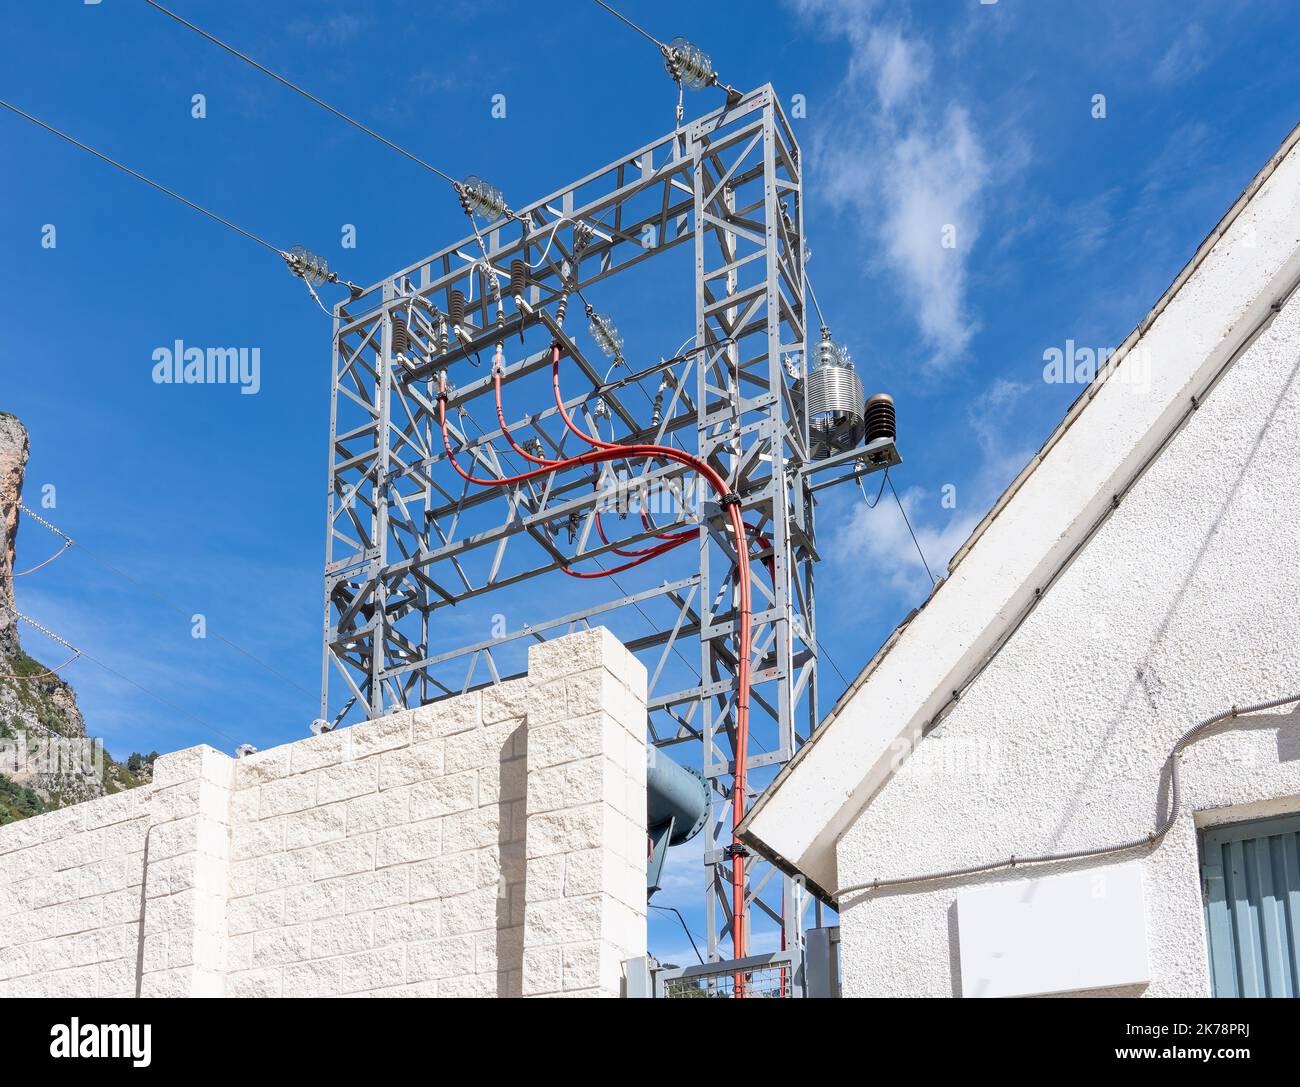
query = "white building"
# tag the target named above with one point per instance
(1141, 575)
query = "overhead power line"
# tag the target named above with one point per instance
(70, 542)
(682, 920)
(306, 266)
(688, 64)
(813, 295)
(908, 523)
(49, 634)
(305, 93)
(620, 16)
(148, 181)
(80, 653)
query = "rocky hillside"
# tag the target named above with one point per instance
(36, 707)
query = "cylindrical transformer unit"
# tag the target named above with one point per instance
(880, 420)
(831, 398)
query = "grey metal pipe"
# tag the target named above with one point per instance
(674, 794)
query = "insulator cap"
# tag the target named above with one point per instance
(879, 418)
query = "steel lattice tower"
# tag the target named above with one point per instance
(408, 540)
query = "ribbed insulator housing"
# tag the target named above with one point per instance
(689, 63)
(482, 198)
(880, 421)
(401, 335)
(518, 277)
(607, 337)
(456, 307)
(314, 268)
(832, 403)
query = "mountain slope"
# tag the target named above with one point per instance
(38, 712)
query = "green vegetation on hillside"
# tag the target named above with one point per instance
(44, 707)
(18, 801)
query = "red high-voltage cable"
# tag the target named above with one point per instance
(650, 552)
(39, 565)
(605, 451)
(47, 672)
(642, 555)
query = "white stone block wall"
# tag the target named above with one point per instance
(70, 899)
(187, 854)
(586, 840)
(492, 844)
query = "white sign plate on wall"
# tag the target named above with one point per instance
(1058, 934)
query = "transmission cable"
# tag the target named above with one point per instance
(109, 668)
(872, 504)
(686, 63)
(50, 634)
(827, 654)
(305, 93)
(148, 181)
(813, 295)
(620, 16)
(306, 266)
(908, 523)
(70, 542)
(682, 920)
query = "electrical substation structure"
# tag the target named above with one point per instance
(474, 366)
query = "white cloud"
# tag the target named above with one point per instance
(878, 538)
(1085, 227)
(1185, 57)
(908, 162)
(338, 28)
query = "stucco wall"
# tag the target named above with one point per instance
(1182, 605)
(492, 844)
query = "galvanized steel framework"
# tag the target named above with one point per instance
(408, 538)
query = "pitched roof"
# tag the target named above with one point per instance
(1218, 303)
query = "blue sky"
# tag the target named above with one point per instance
(1068, 226)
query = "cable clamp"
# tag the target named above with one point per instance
(734, 850)
(731, 498)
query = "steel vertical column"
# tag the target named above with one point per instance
(744, 430)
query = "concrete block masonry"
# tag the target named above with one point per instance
(492, 844)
